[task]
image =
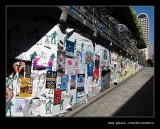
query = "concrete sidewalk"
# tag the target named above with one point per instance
(110, 101)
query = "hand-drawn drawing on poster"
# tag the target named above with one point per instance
(48, 106)
(69, 66)
(89, 70)
(33, 107)
(80, 82)
(73, 82)
(51, 79)
(19, 105)
(25, 88)
(9, 95)
(89, 58)
(9, 108)
(60, 63)
(70, 46)
(57, 96)
(64, 82)
(39, 82)
(43, 61)
(46, 42)
(53, 35)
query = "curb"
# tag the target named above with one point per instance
(92, 100)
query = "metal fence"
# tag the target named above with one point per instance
(109, 26)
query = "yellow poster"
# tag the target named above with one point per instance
(25, 88)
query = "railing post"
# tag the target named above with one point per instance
(63, 17)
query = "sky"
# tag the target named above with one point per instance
(150, 11)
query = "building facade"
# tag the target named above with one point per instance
(144, 22)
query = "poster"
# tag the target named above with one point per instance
(60, 63)
(39, 83)
(25, 88)
(73, 82)
(51, 79)
(89, 58)
(105, 75)
(69, 66)
(105, 55)
(76, 63)
(104, 58)
(43, 60)
(80, 82)
(79, 55)
(64, 82)
(19, 105)
(57, 96)
(95, 76)
(70, 46)
(113, 58)
(82, 68)
(89, 70)
(97, 58)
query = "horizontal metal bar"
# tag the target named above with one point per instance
(133, 50)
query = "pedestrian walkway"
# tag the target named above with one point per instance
(134, 97)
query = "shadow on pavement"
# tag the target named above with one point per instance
(141, 104)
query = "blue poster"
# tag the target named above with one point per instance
(70, 46)
(89, 70)
(73, 82)
(64, 82)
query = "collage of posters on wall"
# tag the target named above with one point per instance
(64, 70)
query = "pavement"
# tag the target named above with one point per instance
(131, 98)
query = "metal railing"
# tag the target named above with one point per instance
(106, 26)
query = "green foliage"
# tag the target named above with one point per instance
(136, 21)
